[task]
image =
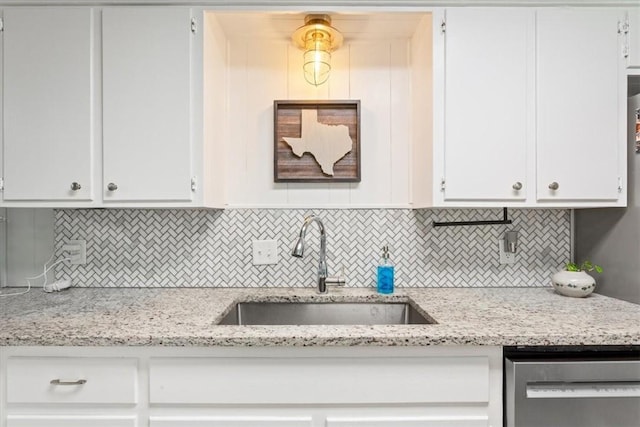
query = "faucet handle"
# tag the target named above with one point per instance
(339, 280)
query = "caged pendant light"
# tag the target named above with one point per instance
(318, 39)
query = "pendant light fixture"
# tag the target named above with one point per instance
(318, 39)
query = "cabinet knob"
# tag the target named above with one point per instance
(554, 186)
(517, 186)
(112, 187)
(75, 186)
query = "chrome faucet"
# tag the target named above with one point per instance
(298, 252)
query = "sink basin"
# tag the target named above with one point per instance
(335, 313)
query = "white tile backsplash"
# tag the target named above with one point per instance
(211, 248)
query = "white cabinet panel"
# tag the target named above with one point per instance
(318, 380)
(580, 100)
(488, 63)
(147, 104)
(230, 421)
(70, 421)
(107, 380)
(398, 421)
(456, 386)
(48, 103)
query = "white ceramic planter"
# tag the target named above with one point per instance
(573, 283)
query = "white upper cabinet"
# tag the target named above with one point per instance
(146, 72)
(105, 107)
(153, 106)
(489, 63)
(533, 108)
(580, 106)
(48, 104)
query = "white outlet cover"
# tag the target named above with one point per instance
(265, 252)
(81, 257)
(505, 257)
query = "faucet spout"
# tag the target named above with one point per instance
(298, 250)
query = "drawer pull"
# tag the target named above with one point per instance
(60, 382)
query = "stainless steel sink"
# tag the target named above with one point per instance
(335, 313)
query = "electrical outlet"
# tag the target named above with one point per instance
(77, 251)
(506, 257)
(265, 252)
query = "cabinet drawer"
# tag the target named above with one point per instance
(71, 421)
(337, 380)
(231, 421)
(72, 380)
(397, 421)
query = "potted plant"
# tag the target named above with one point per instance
(574, 280)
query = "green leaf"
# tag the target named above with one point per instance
(585, 266)
(570, 266)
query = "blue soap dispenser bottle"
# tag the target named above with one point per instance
(385, 273)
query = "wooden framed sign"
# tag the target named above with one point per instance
(316, 141)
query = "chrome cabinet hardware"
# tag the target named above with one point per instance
(75, 186)
(61, 382)
(112, 187)
(554, 186)
(517, 186)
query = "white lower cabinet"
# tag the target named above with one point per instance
(61, 390)
(251, 387)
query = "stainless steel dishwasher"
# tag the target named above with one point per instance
(572, 386)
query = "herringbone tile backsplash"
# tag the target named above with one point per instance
(207, 248)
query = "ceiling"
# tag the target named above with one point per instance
(354, 26)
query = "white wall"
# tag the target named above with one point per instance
(377, 72)
(29, 240)
(611, 237)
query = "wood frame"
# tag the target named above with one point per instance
(287, 167)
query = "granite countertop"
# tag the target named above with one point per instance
(188, 317)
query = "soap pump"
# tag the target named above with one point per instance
(385, 273)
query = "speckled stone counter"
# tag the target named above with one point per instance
(188, 317)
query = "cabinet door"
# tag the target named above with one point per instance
(488, 71)
(146, 104)
(48, 103)
(580, 105)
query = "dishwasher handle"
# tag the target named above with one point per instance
(582, 389)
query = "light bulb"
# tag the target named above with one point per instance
(318, 39)
(317, 66)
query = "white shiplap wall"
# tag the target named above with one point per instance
(377, 72)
